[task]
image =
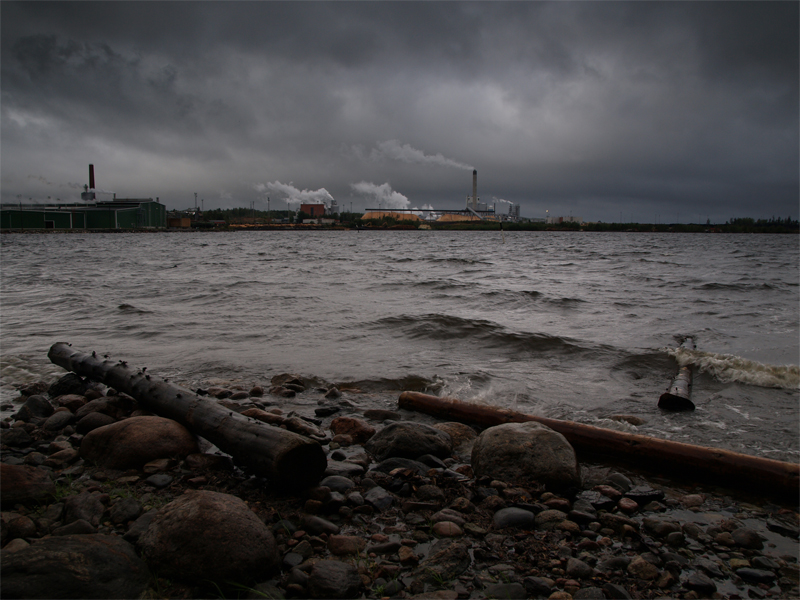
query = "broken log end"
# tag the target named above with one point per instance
(675, 403)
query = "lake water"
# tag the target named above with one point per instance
(579, 326)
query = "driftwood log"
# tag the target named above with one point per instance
(678, 396)
(290, 459)
(751, 474)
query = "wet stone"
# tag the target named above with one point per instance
(378, 498)
(76, 527)
(643, 494)
(447, 529)
(337, 483)
(318, 525)
(578, 569)
(763, 562)
(708, 566)
(125, 510)
(447, 514)
(547, 520)
(514, 517)
(642, 569)
(16, 437)
(756, 575)
(343, 469)
(597, 500)
(538, 586)
(334, 579)
(58, 420)
(159, 481)
(700, 583)
(784, 529)
(612, 590)
(139, 526)
(505, 590)
(747, 538)
(291, 560)
(589, 593)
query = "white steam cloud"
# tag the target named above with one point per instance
(293, 195)
(393, 149)
(382, 194)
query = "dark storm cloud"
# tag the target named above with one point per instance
(590, 108)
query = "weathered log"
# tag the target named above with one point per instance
(752, 474)
(290, 459)
(678, 396)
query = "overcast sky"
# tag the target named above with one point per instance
(645, 111)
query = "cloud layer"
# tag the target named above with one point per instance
(657, 110)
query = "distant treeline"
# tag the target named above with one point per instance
(353, 219)
(248, 215)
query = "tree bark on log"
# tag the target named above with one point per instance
(677, 397)
(751, 474)
(290, 459)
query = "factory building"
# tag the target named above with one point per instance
(122, 213)
(319, 209)
(557, 220)
(313, 210)
(131, 213)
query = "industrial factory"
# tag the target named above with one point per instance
(475, 210)
(114, 214)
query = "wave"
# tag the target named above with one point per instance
(442, 327)
(743, 287)
(729, 368)
(523, 297)
(410, 383)
(131, 309)
(458, 261)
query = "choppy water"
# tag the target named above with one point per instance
(581, 326)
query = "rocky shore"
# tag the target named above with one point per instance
(102, 499)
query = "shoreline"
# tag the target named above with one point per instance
(409, 531)
(690, 229)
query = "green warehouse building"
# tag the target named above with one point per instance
(130, 213)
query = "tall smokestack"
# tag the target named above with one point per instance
(91, 177)
(474, 188)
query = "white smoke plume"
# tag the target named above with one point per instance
(381, 194)
(500, 200)
(291, 194)
(394, 150)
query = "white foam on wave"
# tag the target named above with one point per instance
(729, 368)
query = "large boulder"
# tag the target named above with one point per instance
(75, 566)
(133, 442)
(409, 440)
(524, 452)
(22, 484)
(210, 535)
